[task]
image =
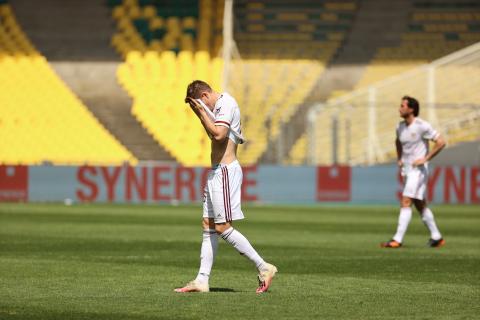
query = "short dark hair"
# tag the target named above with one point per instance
(413, 103)
(196, 88)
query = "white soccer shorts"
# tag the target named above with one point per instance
(415, 182)
(222, 194)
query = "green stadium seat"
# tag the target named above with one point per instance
(141, 24)
(474, 27)
(110, 3)
(452, 36)
(159, 33)
(144, 3)
(415, 27)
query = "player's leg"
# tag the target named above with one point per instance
(428, 219)
(226, 208)
(266, 271)
(230, 203)
(239, 242)
(208, 249)
(413, 189)
(404, 219)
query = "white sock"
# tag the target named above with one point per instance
(403, 221)
(207, 254)
(429, 221)
(239, 242)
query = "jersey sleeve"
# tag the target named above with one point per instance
(397, 131)
(428, 132)
(225, 115)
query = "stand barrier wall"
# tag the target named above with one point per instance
(261, 184)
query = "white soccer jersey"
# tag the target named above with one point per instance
(227, 114)
(414, 139)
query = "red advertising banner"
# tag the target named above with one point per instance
(264, 184)
(334, 183)
(158, 183)
(13, 183)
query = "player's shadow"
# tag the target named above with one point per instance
(221, 290)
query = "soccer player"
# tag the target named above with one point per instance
(413, 135)
(220, 116)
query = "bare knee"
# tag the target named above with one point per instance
(406, 202)
(208, 223)
(222, 227)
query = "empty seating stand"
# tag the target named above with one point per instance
(285, 46)
(41, 120)
(435, 28)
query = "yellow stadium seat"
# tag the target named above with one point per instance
(118, 12)
(134, 12)
(156, 45)
(149, 12)
(189, 23)
(156, 23)
(130, 3)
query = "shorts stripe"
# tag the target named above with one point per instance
(228, 193)
(224, 195)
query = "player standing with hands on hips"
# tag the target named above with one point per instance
(220, 116)
(413, 155)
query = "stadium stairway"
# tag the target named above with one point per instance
(75, 38)
(377, 24)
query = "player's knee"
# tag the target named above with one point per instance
(208, 224)
(221, 227)
(406, 202)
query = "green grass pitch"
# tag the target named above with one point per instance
(123, 262)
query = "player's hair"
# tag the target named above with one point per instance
(196, 88)
(413, 103)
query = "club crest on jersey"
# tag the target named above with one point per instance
(217, 111)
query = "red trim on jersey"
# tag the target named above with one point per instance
(224, 122)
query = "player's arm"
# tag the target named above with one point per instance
(398, 145)
(218, 133)
(439, 144)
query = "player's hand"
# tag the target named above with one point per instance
(419, 162)
(196, 107)
(400, 163)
